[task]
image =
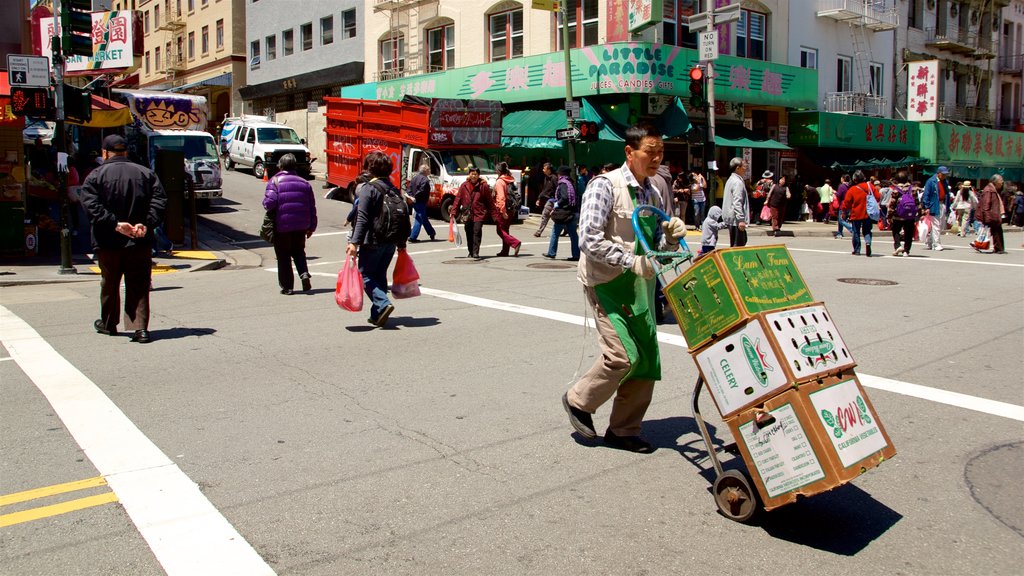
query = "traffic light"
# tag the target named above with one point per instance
(76, 27)
(698, 85)
(77, 105)
(588, 131)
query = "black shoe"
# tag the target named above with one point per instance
(576, 259)
(414, 240)
(286, 291)
(307, 285)
(98, 325)
(432, 237)
(628, 443)
(383, 318)
(141, 336)
(582, 421)
(867, 250)
(549, 256)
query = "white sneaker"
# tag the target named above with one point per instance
(898, 252)
(938, 248)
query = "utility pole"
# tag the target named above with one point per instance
(570, 146)
(66, 266)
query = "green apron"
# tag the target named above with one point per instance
(627, 300)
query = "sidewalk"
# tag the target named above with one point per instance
(44, 270)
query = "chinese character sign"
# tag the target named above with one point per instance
(111, 42)
(644, 13)
(923, 91)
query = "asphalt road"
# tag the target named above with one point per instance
(322, 446)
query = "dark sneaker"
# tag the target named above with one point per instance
(142, 337)
(582, 421)
(307, 285)
(100, 328)
(627, 443)
(286, 291)
(383, 318)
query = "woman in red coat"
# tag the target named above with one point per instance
(855, 202)
(475, 197)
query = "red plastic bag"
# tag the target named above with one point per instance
(348, 292)
(405, 279)
(451, 230)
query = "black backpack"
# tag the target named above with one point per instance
(391, 225)
(513, 200)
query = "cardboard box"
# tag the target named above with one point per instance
(808, 342)
(730, 285)
(819, 436)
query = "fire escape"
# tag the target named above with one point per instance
(400, 51)
(864, 17)
(173, 61)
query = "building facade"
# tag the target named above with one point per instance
(1010, 63)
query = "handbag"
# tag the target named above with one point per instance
(766, 213)
(267, 229)
(348, 292)
(405, 279)
(562, 215)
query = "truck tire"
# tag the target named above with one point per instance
(229, 164)
(258, 169)
(446, 207)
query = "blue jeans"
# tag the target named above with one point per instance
(861, 227)
(574, 238)
(373, 265)
(842, 223)
(420, 208)
(698, 213)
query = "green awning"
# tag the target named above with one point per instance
(535, 123)
(740, 137)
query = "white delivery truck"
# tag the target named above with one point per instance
(170, 121)
(259, 143)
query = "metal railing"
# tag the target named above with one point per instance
(1013, 64)
(971, 114)
(870, 13)
(960, 40)
(856, 103)
(391, 73)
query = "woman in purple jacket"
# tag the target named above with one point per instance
(290, 197)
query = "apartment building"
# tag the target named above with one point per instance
(1010, 63)
(193, 46)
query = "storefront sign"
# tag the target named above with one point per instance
(617, 68)
(830, 130)
(983, 146)
(922, 91)
(644, 13)
(111, 42)
(618, 16)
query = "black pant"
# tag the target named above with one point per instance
(288, 247)
(474, 235)
(903, 230)
(134, 264)
(737, 237)
(996, 232)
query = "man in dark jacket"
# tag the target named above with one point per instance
(124, 202)
(419, 189)
(373, 253)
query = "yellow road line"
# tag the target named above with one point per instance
(52, 490)
(55, 509)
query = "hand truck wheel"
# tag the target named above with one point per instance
(735, 496)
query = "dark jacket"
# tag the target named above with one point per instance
(292, 197)
(419, 188)
(777, 196)
(478, 198)
(988, 211)
(121, 191)
(547, 192)
(369, 203)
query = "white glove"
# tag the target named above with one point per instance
(641, 267)
(674, 229)
(62, 162)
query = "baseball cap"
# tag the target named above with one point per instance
(115, 143)
(943, 170)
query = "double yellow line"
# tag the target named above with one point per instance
(54, 509)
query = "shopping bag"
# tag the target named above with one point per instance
(766, 213)
(451, 229)
(348, 292)
(924, 227)
(458, 237)
(405, 280)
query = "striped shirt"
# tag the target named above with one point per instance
(597, 204)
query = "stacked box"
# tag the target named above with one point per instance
(810, 440)
(731, 285)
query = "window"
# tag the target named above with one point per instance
(180, 52)
(584, 11)
(307, 36)
(875, 71)
(326, 30)
(191, 45)
(348, 24)
(205, 2)
(156, 16)
(145, 22)
(271, 42)
(674, 29)
(809, 58)
(147, 62)
(220, 34)
(750, 35)
(441, 48)
(157, 64)
(287, 42)
(205, 39)
(506, 30)
(191, 5)
(392, 54)
(844, 74)
(254, 55)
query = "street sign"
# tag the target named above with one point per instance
(28, 71)
(30, 101)
(312, 106)
(698, 21)
(708, 48)
(726, 14)
(567, 134)
(572, 109)
(549, 5)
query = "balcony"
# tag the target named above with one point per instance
(856, 103)
(1011, 64)
(174, 63)
(399, 5)
(871, 14)
(391, 74)
(959, 42)
(173, 20)
(967, 114)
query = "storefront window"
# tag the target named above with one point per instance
(441, 48)
(506, 33)
(584, 11)
(750, 35)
